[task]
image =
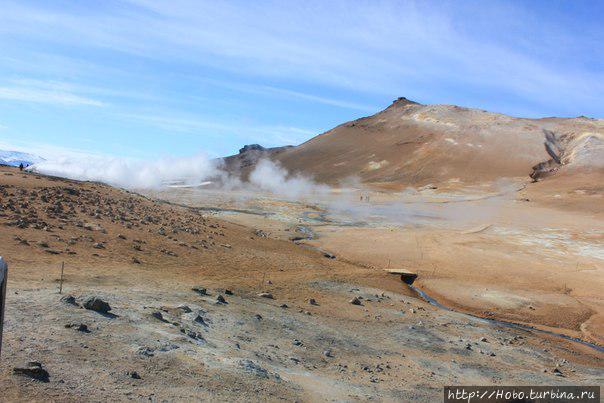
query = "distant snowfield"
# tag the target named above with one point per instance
(15, 158)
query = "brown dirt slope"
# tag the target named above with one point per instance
(414, 144)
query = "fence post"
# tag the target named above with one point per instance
(3, 281)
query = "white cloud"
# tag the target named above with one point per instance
(382, 48)
(268, 135)
(45, 92)
(385, 47)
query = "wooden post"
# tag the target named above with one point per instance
(3, 281)
(61, 281)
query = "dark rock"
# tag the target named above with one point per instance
(80, 327)
(252, 367)
(158, 315)
(192, 334)
(199, 319)
(97, 305)
(220, 299)
(200, 290)
(134, 375)
(355, 301)
(266, 295)
(69, 299)
(251, 147)
(33, 370)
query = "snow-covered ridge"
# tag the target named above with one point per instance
(14, 158)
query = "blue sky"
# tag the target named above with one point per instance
(142, 78)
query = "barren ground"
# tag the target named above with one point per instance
(392, 347)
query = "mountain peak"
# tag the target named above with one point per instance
(402, 101)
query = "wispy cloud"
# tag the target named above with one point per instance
(54, 93)
(380, 47)
(204, 72)
(290, 94)
(270, 135)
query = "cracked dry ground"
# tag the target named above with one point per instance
(165, 341)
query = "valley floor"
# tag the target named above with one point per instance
(287, 329)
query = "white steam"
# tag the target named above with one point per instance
(131, 174)
(199, 170)
(269, 176)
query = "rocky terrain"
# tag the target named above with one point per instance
(161, 302)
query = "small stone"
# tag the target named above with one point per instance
(220, 299)
(228, 292)
(312, 301)
(200, 290)
(258, 316)
(267, 295)
(184, 308)
(80, 327)
(134, 375)
(97, 305)
(355, 301)
(69, 299)
(199, 319)
(158, 315)
(296, 342)
(328, 353)
(284, 306)
(98, 245)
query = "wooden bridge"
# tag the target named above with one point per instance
(406, 276)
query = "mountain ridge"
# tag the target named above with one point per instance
(412, 144)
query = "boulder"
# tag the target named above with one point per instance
(96, 304)
(33, 370)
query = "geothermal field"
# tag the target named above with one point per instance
(337, 270)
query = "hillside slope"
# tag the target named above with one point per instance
(414, 144)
